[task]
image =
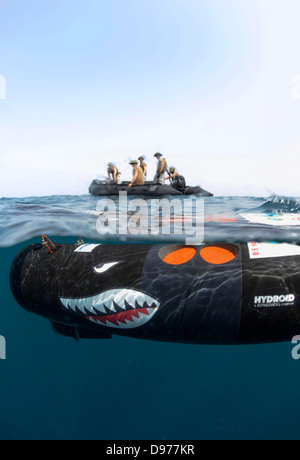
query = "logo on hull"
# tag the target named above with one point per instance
(267, 301)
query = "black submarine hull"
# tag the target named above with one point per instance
(208, 294)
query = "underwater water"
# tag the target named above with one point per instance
(53, 387)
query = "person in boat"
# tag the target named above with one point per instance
(173, 174)
(143, 165)
(138, 175)
(113, 174)
(177, 181)
(162, 168)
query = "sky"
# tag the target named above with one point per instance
(214, 85)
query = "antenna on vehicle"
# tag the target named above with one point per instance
(46, 240)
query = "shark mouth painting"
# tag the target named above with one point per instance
(117, 308)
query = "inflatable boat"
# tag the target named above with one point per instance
(102, 188)
(207, 294)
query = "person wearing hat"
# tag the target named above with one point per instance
(143, 165)
(162, 167)
(113, 174)
(138, 175)
(173, 174)
(177, 181)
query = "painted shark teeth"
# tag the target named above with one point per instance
(121, 308)
(129, 320)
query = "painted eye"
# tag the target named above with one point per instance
(102, 268)
(177, 255)
(219, 254)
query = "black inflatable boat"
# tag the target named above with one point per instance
(101, 188)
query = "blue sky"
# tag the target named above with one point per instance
(209, 83)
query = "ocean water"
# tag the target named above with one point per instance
(54, 387)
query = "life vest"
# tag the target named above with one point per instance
(140, 180)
